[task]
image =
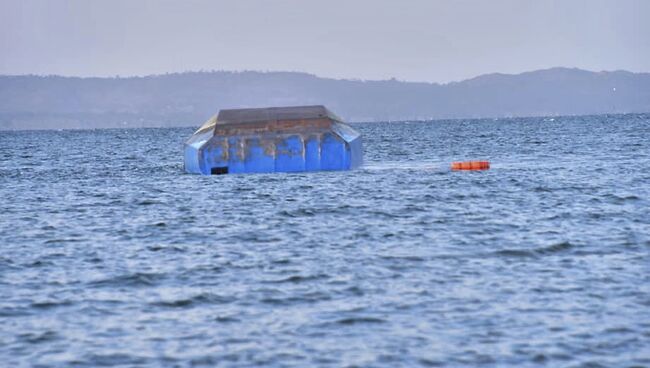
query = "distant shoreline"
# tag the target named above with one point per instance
(188, 99)
(305, 73)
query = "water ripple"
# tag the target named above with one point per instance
(113, 257)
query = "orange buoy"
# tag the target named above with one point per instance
(470, 165)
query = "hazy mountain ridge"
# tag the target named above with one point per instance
(33, 102)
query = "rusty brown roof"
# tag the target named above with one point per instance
(272, 114)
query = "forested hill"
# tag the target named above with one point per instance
(187, 99)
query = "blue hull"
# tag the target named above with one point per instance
(294, 153)
(329, 146)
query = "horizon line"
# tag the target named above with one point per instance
(393, 79)
(398, 121)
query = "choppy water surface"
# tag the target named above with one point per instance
(112, 256)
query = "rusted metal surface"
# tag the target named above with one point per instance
(273, 126)
(268, 114)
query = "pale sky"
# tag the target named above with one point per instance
(417, 40)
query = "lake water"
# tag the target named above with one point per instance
(111, 255)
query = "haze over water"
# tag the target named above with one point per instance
(113, 256)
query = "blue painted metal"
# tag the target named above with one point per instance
(280, 139)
